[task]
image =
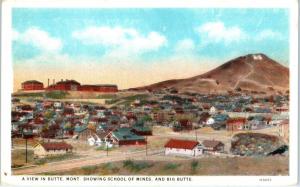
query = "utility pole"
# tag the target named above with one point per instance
(106, 149)
(26, 149)
(146, 146)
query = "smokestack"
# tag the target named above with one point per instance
(53, 81)
(48, 82)
(61, 80)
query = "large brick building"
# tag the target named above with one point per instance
(99, 88)
(32, 85)
(69, 85)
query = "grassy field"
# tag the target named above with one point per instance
(128, 99)
(200, 166)
(50, 94)
(18, 158)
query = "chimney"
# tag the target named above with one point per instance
(53, 81)
(61, 80)
(48, 82)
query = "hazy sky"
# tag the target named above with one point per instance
(134, 47)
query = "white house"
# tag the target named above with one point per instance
(183, 148)
(57, 104)
(98, 139)
(212, 110)
(94, 140)
(210, 121)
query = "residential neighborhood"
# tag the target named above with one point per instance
(165, 124)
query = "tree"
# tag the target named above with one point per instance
(194, 165)
(146, 118)
(91, 127)
(49, 114)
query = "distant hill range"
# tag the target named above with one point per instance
(252, 73)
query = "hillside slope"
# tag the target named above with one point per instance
(253, 72)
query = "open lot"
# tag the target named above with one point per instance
(202, 166)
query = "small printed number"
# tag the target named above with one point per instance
(265, 180)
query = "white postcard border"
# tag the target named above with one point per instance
(7, 73)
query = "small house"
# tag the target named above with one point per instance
(141, 129)
(212, 110)
(51, 149)
(212, 146)
(235, 124)
(125, 136)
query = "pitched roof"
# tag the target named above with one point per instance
(181, 144)
(236, 120)
(56, 146)
(68, 82)
(211, 143)
(126, 134)
(141, 128)
(32, 82)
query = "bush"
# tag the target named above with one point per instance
(89, 169)
(194, 165)
(110, 167)
(40, 161)
(136, 166)
(171, 166)
(56, 94)
(127, 163)
(103, 148)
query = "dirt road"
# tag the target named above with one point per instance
(87, 161)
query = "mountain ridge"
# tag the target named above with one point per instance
(252, 72)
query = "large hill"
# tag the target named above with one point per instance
(253, 72)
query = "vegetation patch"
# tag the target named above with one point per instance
(110, 167)
(254, 144)
(129, 99)
(55, 158)
(107, 96)
(194, 166)
(136, 166)
(57, 94)
(103, 148)
(88, 170)
(18, 158)
(238, 166)
(30, 94)
(171, 166)
(111, 101)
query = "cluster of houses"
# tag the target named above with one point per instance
(130, 124)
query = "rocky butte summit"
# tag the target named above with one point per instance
(252, 72)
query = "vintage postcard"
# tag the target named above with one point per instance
(140, 93)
